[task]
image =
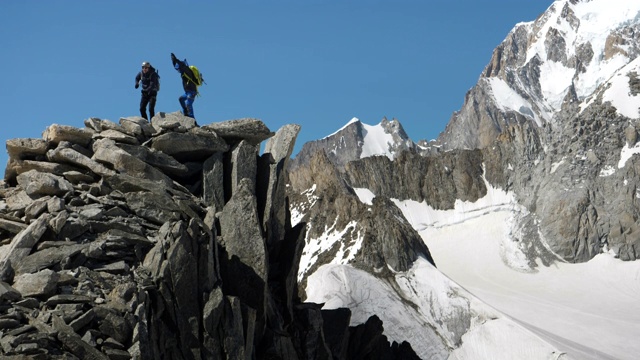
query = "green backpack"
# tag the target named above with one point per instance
(196, 73)
(198, 76)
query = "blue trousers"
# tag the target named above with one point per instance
(186, 101)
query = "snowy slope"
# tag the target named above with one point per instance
(577, 302)
(435, 300)
(568, 308)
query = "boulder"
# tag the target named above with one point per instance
(138, 126)
(57, 133)
(175, 121)
(25, 148)
(40, 284)
(37, 184)
(157, 159)
(106, 151)
(254, 131)
(277, 152)
(183, 146)
(71, 156)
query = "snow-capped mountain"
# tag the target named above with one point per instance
(528, 202)
(565, 55)
(357, 140)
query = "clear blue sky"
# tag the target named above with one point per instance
(317, 63)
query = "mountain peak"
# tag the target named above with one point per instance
(356, 140)
(568, 52)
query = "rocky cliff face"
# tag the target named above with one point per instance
(161, 240)
(552, 103)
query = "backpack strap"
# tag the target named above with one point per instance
(190, 79)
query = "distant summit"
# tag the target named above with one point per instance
(357, 140)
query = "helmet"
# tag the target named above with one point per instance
(146, 64)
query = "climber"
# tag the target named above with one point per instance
(190, 87)
(150, 86)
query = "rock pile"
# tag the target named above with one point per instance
(161, 240)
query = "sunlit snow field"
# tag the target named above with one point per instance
(594, 304)
(565, 311)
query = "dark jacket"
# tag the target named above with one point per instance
(150, 80)
(185, 74)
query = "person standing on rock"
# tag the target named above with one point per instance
(150, 85)
(189, 86)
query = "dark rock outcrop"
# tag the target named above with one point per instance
(158, 241)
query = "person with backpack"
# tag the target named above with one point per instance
(150, 86)
(191, 79)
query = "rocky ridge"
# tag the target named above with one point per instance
(161, 240)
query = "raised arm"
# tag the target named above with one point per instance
(178, 65)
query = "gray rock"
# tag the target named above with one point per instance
(126, 183)
(57, 222)
(182, 259)
(23, 243)
(183, 146)
(37, 184)
(234, 344)
(13, 227)
(116, 354)
(17, 200)
(106, 151)
(17, 167)
(138, 126)
(57, 133)
(244, 157)
(245, 247)
(254, 131)
(8, 293)
(98, 125)
(73, 227)
(55, 205)
(93, 123)
(41, 284)
(125, 237)
(90, 212)
(158, 159)
(74, 342)
(71, 156)
(25, 148)
(123, 261)
(213, 188)
(53, 301)
(277, 150)
(156, 208)
(172, 121)
(631, 135)
(116, 135)
(83, 320)
(35, 209)
(118, 267)
(45, 258)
